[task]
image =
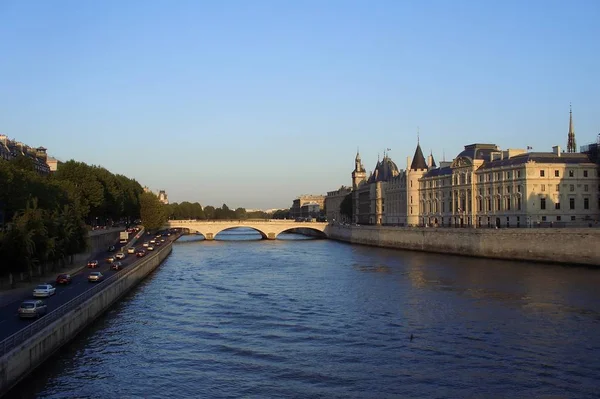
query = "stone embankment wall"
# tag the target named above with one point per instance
(569, 246)
(23, 359)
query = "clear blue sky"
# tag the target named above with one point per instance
(252, 103)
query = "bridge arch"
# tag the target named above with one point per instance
(268, 228)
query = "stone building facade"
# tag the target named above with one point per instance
(333, 201)
(296, 209)
(484, 186)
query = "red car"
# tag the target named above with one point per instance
(93, 264)
(64, 279)
(141, 253)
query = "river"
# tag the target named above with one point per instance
(304, 318)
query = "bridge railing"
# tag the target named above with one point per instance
(241, 221)
(33, 328)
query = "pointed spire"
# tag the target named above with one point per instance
(417, 135)
(357, 154)
(433, 165)
(418, 161)
(571, 137)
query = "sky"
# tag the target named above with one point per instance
(253, 103)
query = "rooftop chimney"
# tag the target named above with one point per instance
(556, 150)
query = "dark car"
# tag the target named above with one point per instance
(93, 264)
(117, 266)
(32, 309)
(64, 279)
(111, 248)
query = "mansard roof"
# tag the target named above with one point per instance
(446, 170)
(479, 151)
(418, 161)
(539, 157)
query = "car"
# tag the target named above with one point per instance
(120, 255)
(152, 241)
(110, 259)
(32, 308)
(44, 290)
(64, 279)
(162, 240)
(145, 244)
(95, 277)
(158, 244)
(141, 253)
(111, 248)
(150, 248)
(92, 264)
(131, 250)
(117, 266)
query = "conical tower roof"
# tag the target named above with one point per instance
(418, 161)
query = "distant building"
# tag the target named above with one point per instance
(296, 209)
(162, 197)
(11, 149)
(484, 186)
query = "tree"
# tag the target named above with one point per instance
(209, 212)
(153, 212)
(346, 206)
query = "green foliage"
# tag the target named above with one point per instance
(185, 210)
(45, 216)
(282, 214)
(346, 206)
(153, 212)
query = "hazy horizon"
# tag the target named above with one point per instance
(252, 104)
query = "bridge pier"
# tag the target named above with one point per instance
(271, 236)
(209, 236)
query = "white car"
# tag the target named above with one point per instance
(120, 255)
(131, 250)
(44, 290)
(150, 247)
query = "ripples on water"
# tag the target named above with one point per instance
(317, 318)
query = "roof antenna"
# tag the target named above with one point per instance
(443, 155)
(417, 134)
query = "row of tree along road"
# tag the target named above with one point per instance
(45, 219)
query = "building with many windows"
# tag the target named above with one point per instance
(484, 186)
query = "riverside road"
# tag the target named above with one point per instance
(10, 323)
(302, 318)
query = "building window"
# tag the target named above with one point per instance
(542, 174)
(571, 173)
(508, 175)
(543, 187)
(543, 218)
(585, 187)
(508, 189)
(585, 173)
(490, 204)
(519, 203)
(573, 218)
(519, 188)
(489, 177)
(543, 203)
(411, 199)
(586, 203)
(508, 204)
(411, 210)
(556, 173)
(571, 187)
(558, 218)
(498, 190)
(518, 174)
(557, 205)
(571, 203)
(558, 187)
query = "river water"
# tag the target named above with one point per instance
(303, 318)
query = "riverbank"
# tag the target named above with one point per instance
(565, 246)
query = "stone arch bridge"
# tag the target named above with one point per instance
(268, 228)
